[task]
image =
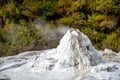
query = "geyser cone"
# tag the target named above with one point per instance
(76, 50)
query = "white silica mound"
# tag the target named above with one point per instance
(75, 50)
(74, 59)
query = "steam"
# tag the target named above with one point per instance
(50, 32)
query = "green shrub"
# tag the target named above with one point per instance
(46, 9)
(99, 19)
(112, 41)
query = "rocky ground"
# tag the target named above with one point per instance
(109, 56)
(74, 59)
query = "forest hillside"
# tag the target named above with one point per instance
(20, 29)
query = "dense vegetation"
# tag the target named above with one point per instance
(99, 19)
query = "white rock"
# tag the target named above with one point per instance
(74, 59)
